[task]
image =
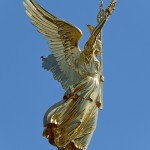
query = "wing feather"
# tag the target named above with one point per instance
(63, 41)
(50, 64)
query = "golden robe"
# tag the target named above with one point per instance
(69, 124)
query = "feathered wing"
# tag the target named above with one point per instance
(66, 79)
(63, 41)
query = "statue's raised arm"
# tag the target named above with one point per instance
(102, 17)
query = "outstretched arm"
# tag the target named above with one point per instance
(96, 32)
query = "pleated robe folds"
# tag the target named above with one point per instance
(69, 124)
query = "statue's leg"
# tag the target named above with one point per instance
(88, 127)
(85, 131)
(71, 123)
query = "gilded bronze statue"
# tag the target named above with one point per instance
(70, 123)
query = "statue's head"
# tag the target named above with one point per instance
(95, 48)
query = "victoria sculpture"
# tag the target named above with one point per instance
(70, 123)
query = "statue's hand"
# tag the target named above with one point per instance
(102, 78)
(98, 104)
(111, 7)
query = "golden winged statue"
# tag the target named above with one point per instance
(70, 123)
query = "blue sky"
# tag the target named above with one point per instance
(27, 90)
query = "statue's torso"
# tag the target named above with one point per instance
(88, 65)
(88, 87)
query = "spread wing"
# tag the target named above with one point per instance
(63, 41)
(66, 79)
